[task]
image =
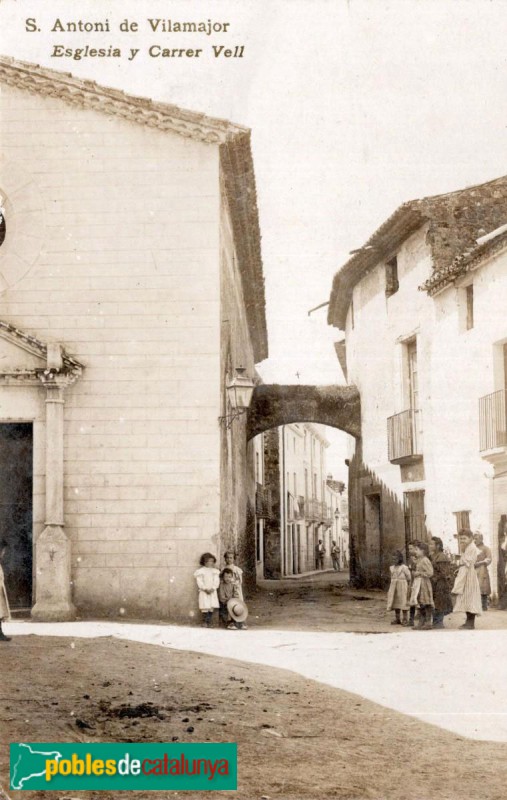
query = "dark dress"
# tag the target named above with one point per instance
(441, 583)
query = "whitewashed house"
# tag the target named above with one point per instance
(422, 305)
(131, 290)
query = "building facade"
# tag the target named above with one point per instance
(298, 500)
(338, 506)
(422, 308)
(131, 291)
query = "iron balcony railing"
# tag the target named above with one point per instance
(404, 436)
(263, 501)
(327, 517)
(313, 510)
(317, 511)
(493, 421)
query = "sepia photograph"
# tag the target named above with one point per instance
(253, 399)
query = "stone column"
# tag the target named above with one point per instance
(53, 549)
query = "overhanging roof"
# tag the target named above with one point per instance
(455, 220)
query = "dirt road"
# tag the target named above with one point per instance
(297, 739)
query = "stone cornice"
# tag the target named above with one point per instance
(70, 369)
(88, 94)
(235, 158)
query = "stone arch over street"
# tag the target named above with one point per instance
(298, 503)
(276, 404)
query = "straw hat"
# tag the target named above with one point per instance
(237, 609)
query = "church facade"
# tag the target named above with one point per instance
(131, 290)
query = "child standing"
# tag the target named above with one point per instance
(227, 590)
(4, 603)
(422, 592)
(208, 581)
(397, 596)
(411, 565)
(230, 557)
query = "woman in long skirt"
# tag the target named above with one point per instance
(466, 586)
(441, 581)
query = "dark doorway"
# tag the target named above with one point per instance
(16, 482)
(373, 537)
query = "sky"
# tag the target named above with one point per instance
(354, 105)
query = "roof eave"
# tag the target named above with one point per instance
(239, 179)
(465, 264)
(386, 239)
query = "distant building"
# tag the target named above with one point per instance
(422, 305)
(131, 290)
(337, 504)
(295, 487)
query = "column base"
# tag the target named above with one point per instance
(53, 577)
(53, 612)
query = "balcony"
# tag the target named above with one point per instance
(313, 510)
(300, 509)
(295, 507)
(404, 437)
(327, 517)
(262, 502)
(493, 423)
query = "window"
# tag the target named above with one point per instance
(392, 283)
(306, 484)
(413, 375)
(295, 484)
(465, 300)
(470, 306)
(462, 520)
(415, 518)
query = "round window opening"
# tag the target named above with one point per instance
(3, 227)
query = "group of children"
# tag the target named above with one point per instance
(410, 588)
(432, 584)
(222, 590)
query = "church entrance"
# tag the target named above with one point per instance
(16, 492)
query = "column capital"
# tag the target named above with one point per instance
(55, 380)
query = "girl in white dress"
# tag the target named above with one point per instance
(397, 596)
(208, 581)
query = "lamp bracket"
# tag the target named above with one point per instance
(227, 420)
